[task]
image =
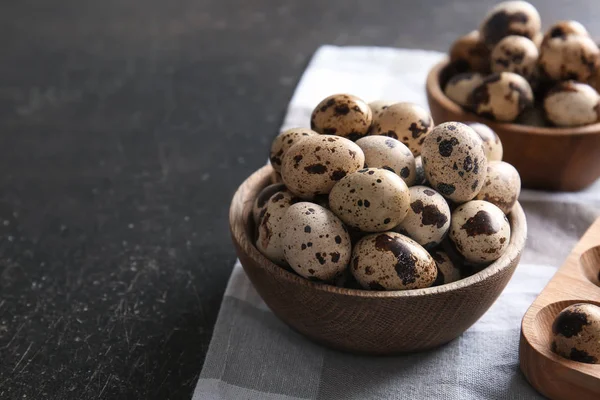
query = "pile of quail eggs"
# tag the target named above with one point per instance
(510, 71)
(375, 196)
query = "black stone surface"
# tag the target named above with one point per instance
(125, 127)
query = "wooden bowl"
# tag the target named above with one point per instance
(548, 158)
(369, 322)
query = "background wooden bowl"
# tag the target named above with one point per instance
(563, 159)
(363, 321)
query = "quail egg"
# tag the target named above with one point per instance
(447, 272)
(343, 115)
(419, 171)
(391, 261)
(480, 231)
(576, 333)
(459, 87)
(315, 243)
(515, 54)
(284, 141)
(454, 161)
(271, 224)
(562, 29)
(377, 107)
(571, 57)
(510, 18)
(502, 96)
(313, 165)
(261, 201)
(469, 50)
(572, 104)
(391, 154)
(502, 186)
(492, 146)
(533, 116)
(407, 122)
(371, 200)
(428, 217)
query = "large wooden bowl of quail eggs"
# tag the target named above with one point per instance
(374, 231)
(537, 90)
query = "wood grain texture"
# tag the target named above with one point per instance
(575, 282)
(363, 321)
(563, 159)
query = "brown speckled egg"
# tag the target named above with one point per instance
(371, 200)
(576, 333)
(454, 161)
(377, 108)
(271, 224)
(261, 201)
(420, 172)
(562, 29)
(480, 231)
(391, 261)
(459, 87)
(448, 272)
(315, 242)
(502, 96)
(502, 186)
(491, 142)
(515, 54)
(407, 122)
(284, 141)
(572, 104)
(469, 50)
(391, 154)
(428, 218)
(572, 57)
(316, 163)
(510, 18)
(343, 115)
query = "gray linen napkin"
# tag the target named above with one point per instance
(253, 355)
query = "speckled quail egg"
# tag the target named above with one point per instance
(313, 165)
(502, 186)
(492, 146)
(502, 96)
(516, 54)
(371, 200)
(343, 115)
(448, 272)
(261, 201)
(459, 87)
(532, 116)
(469, 50)
(480, 231)
(377, 108)
(419, 171)
(407, 122)
(391, 261)
(570, 57)
(562, 29)
(284, 141)
(391, 154)
(454, 161)
(428, 218)
(271, 224)
(510, 18)
(576, 333)
(315, 243)
(572, 104)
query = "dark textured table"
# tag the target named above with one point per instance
(125, 127)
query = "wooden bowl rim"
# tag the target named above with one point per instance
(435, 91)
(237, 215)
